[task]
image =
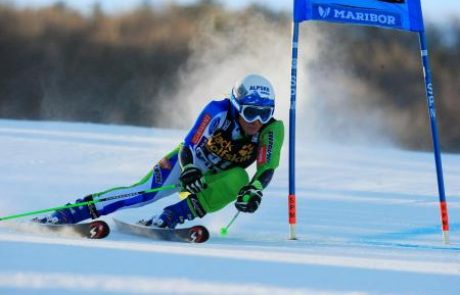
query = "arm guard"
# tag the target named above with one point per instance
(185, 156)
(264, 178)
(269, 152)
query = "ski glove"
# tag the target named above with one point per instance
(192, 179)
(248, 199)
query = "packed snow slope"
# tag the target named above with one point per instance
(368, 221)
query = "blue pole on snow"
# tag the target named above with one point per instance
(434, 133)
(292, 128)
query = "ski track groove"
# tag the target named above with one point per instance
(216, 251)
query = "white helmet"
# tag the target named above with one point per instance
(256, 91)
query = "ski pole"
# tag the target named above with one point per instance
(224, 230)
(162, 188)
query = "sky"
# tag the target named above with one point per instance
(432, 9)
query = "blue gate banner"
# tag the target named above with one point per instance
(392, 14)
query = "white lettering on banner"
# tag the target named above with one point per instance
(383, 19)
(324, 12)
(360, 15)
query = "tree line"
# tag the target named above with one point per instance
(59, 64)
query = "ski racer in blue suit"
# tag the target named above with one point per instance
(228, 136)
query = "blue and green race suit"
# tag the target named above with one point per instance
(219, 148)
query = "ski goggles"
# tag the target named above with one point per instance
(252, 113)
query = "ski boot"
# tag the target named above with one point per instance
(175, 214)
(71, 215)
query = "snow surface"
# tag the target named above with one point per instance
(368, 221)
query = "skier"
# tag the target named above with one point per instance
(228, 136)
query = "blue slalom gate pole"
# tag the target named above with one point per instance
(435, 135)
(292, 210)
